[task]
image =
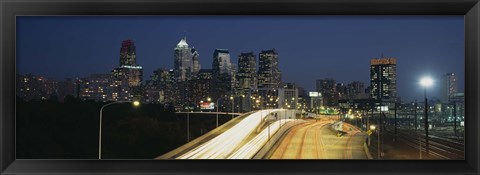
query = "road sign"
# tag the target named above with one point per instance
(369, 132)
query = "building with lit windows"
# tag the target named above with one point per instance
(357, 90)
(448, 86)
(128, 68)
(269, 75)
(31, 87)
(288, 96)
(185, 61)
(160, 87)
(223, 74)
(383, 80)
(103, 87)
(328, 89)
(247, 79)
(200, 87)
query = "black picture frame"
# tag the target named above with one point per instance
(9, 9)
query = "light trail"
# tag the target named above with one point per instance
(224, 144)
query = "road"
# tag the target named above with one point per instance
(230, 144)
(315, 140)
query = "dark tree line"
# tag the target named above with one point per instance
(49, 129)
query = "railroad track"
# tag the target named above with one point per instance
(444, 148)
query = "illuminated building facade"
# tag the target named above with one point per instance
(223, 74)
(357, 90)
(247, 79)
(328, 89)
(30, 87)
(269, 75)
(129, 69)
(103, 87)
(383, 79)
(160, 87)
(128, 73)
(449, 86)
(201, 86)
(185, 61)
(288, 96)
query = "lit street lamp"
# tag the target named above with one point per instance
(233, 101)
(209, 99)
(135, 103)
(426, 82)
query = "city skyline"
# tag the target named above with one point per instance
(290, 61)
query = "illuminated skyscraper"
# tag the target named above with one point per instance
(449, 86)
(128, 76)
(328, 90)
(247, 72)
(247, 79)
(383, 79)
(223, 74)
(129, 69)
(185, 62)
(269, 75)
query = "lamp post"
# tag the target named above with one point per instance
(217, 110)
(426, 82)
(135, 103)
(233, 101)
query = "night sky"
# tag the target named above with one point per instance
(309, 47)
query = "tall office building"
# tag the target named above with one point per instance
(223, 73)
(185, 61)
(383, 79)
(247, 79)
(221, 62)
(269, 75)
(449, 86)
(247, 72)
(128, 69)
(328, 90)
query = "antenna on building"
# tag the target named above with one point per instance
(185, 35)
(382, 55)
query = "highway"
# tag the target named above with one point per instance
(231, 143)
(316, 140)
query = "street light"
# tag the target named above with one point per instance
(233, 101)
(426, 82)
(135, 103)
(210, 99)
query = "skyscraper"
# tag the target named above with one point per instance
(247, 78)
(383, 79)
(269, 75)
(221, 62)
(449, 86)
(185, 61)
(128, 76)
(328, 90)
(247, 72)
(128, 68)
(223, 74)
